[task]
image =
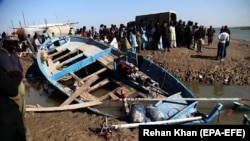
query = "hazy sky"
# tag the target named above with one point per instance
(95, 12)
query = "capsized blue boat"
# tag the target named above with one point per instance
(90, 70)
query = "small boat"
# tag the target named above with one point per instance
(241, 106)
(88, 70)
(246, 119)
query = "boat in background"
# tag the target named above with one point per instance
(51, 29)
(91, 71)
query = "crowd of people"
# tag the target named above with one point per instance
(161, 36)
(156, 35)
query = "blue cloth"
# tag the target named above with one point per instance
(46, 35)
(143, 34)
(133, 42)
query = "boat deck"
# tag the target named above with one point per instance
(70, 52)
(61, 59)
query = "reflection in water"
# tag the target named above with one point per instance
(223, 91)
(218, 90)
(195, 88)
(113, 107)
(40, 93)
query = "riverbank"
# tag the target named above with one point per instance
(187, 65)
(192, 67)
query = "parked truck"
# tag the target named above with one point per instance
(163, 16)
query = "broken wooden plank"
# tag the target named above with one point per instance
(100, 84)
(96, 73)
(66, 107)
(86, 96)
(76, 78)
(80, 90)
(107, 60)
(113, 96)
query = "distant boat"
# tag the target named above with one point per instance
(88, 70)
(55, 28)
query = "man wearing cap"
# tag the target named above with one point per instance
(11, 64)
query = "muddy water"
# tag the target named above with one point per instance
(44, 94)
(227, 115)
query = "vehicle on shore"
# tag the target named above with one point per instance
(163, 16)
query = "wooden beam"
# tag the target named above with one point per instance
(108, 95)
(107, 60)
(96, 73)
(80, 90)
(100, 84)
(56, 53)
(66, 107)
(65, 55)
(76, 77)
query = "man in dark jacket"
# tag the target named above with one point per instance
(11, 122)
(11, 64)
(166, 36)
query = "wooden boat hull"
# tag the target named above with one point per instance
(89, 70)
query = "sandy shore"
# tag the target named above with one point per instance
(187, 65)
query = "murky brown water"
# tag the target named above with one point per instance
(227, 114)
(45, 95)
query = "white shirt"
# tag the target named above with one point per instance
(37, 43)
(223, 37)
(114, 43)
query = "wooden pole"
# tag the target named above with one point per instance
(171, 121)
(12, 26)
(66, 107)
(24, 20)
(186, 99)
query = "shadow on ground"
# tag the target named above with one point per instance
(203, 57)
